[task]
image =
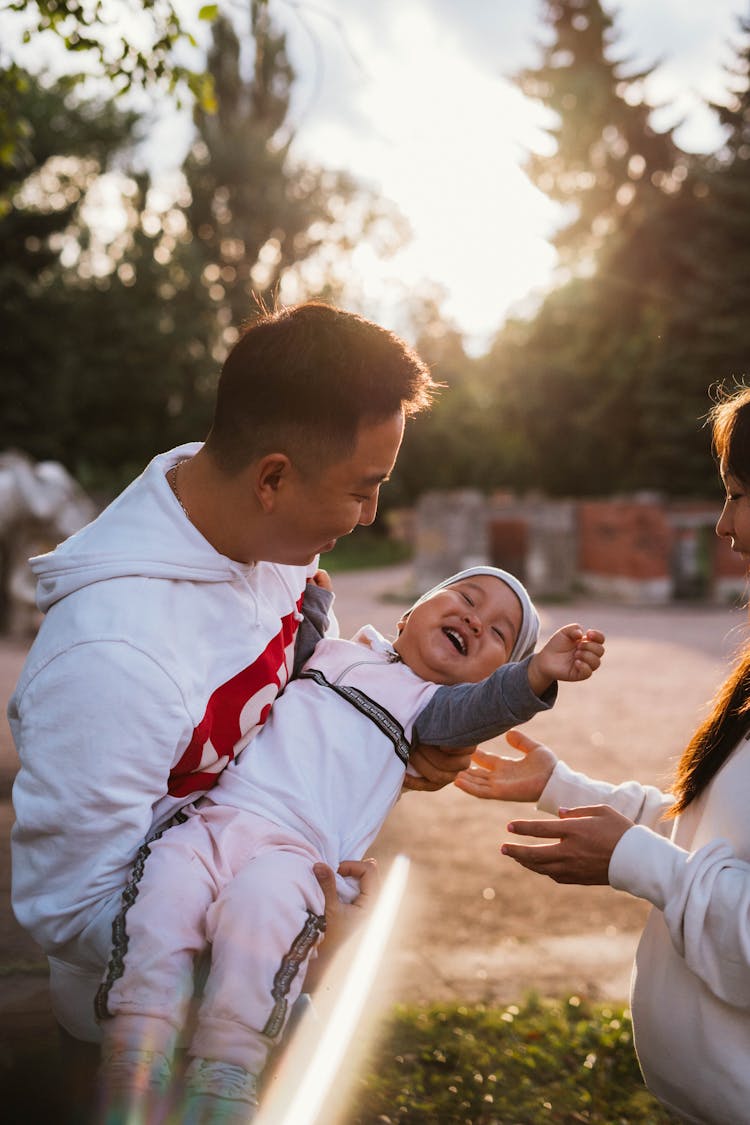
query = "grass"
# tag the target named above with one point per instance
(366, 547)
(561, 1062)
(557, 1062)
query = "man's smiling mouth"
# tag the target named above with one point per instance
(456, 640)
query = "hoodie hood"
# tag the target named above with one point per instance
(143, 533)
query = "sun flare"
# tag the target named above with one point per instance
(446, 140)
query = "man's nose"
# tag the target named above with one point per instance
(368, 511)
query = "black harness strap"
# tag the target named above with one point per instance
(383, 719)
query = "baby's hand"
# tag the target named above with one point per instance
(323, 579)
(570, 654)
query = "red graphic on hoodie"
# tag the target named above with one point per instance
(227, 716)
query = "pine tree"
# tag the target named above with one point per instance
(257, 212)
(607, 156)
(725, 294)
(600, 374)
(704, 335)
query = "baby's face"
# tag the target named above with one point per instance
(462, 633)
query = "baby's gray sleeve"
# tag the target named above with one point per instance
(316, 607)
(460, 715)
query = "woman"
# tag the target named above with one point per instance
(687, 853)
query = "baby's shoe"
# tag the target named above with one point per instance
(219, 1093)
(133, 1085)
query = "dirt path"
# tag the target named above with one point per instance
(477, 926)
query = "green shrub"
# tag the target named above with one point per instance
(363, 549)
(548, 1061)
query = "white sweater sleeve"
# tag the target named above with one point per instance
(97, 729)
(705, 898)
(704, 895)
(643, 804)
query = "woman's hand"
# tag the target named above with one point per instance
(342, 919)
(584, 841)
(510, 779)
(437, 767)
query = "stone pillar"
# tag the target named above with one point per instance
(552, 560)
(450, 535)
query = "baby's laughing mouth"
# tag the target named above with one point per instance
(456, 640)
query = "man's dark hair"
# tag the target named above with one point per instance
(302, 380)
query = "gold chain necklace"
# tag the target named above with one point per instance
(172, 479)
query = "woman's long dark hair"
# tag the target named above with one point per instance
(729, 719)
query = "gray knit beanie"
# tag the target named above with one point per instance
(529, 631)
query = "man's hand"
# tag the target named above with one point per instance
(509, 779)
(584, 841)
(570, 654)
(437, 767)
(342, 919)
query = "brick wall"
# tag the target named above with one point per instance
(624, 549)
(643, 549)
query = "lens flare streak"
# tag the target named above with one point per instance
(306, 1079)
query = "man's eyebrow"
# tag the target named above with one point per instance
(375, 478)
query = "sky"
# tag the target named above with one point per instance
(415, 98)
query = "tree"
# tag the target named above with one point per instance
(66, 145)
(109, 357)
(721, 306)
(593, 384)
(704, 335)
(257, 214)
(608, 160)
(456, 426)
(142, 374)
(134, 332)
(131, 42)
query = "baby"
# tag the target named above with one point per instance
(314, 785)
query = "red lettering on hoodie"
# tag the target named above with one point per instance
(228, 718)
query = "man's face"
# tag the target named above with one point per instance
(462, 633)
(317, 509)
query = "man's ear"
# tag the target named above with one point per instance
(401, 623)
(271, 474)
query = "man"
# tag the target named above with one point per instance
(171, 619)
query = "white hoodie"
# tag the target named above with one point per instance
(157, 661)
(690, 993)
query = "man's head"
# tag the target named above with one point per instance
(304, 380)
(309, 418)
(463, 629)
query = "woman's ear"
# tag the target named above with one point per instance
(402, 623)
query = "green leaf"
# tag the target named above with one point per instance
(208, 12)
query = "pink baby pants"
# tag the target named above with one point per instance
(244, 885)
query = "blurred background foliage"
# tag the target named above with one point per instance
(111, 347)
